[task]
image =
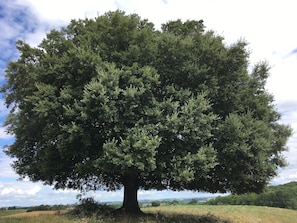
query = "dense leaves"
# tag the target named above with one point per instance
(106, 100)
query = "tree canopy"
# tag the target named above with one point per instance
(112, 102)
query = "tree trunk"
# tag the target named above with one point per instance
(130, 202)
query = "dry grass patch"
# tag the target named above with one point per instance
(39, 217)
(235, 214)
(30, 214)
(165, 214)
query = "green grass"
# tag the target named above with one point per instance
(165, 214)
(11, 212)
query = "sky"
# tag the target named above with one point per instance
(269, 26)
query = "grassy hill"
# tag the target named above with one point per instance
(164, 214)
(234, 213)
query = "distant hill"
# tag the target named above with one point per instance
(282, 196)
(174, 201)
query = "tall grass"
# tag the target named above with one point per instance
(37, 217)
(40, 219)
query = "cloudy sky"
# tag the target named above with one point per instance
(269, 26)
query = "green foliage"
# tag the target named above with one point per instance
(106, 100)
(193, 201)
(47, 208)
(189, 219)
(88, 207)
(283, 196)
(174, 202)
(156, 203)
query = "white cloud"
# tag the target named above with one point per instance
(4, 135)
(14, 190)
(3, 110)
(65, 191)
(18, 193)
(16, 20)
(26, 193)
(286, 175)
(282, 80)
(5, 166)
(61, 12)
(18, 190)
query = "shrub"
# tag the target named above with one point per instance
(156, 203)
(88, 207)
(193, 201)
(189, 219)
(174, 202)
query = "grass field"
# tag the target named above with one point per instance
(234, 214)
(21, 216)
(11, 212)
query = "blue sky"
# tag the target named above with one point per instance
(267, 25)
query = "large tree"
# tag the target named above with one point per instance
(111, 102)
